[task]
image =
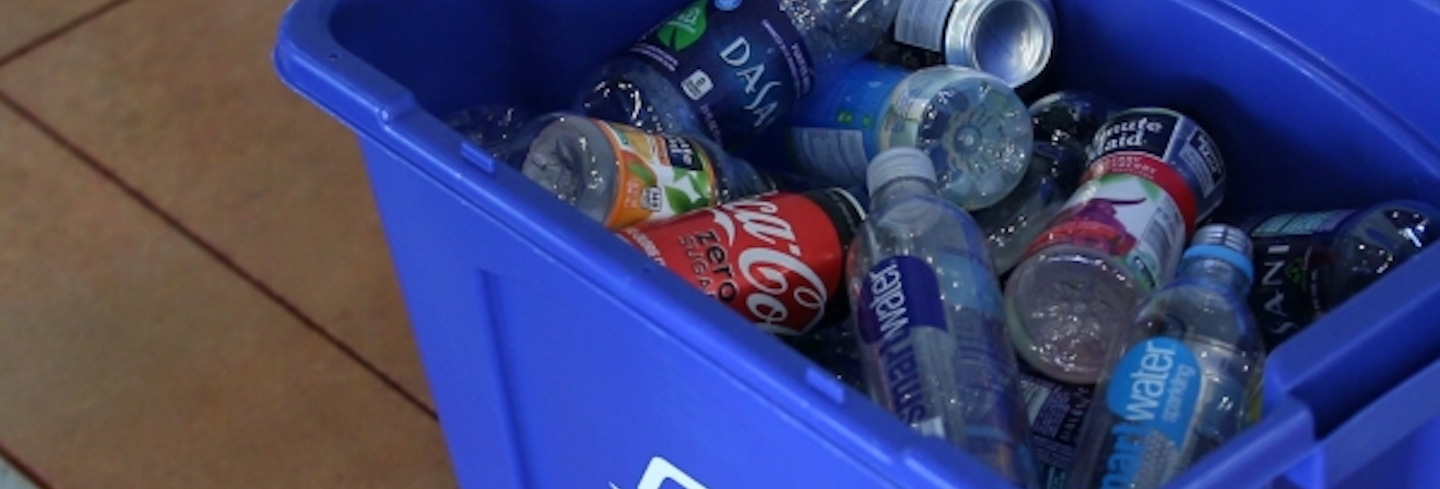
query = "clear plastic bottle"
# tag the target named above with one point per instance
(1184, 378)
(1064, 123)
(1155, 174)
(1070, 118)
(972, 125)
(727, 69)
(619, 175)
(1309, 263)
(929, 319)
(491, 127)
(1011, 224)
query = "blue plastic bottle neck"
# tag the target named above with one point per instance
(1219, 267)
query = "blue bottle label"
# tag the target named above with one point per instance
(899, 295)
(740, 64)
(1056, 411)
(1153, 393)
(834, 133)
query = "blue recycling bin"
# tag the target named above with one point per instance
(561, 358)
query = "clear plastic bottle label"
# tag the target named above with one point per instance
(739, 63)
(658, 176)
(900, 294)
(1297, 225)
(836, 129)
(1152, 393)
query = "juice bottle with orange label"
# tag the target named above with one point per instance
(619, 175)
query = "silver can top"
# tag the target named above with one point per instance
(1010, 39)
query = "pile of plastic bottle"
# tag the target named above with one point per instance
(1043, 285)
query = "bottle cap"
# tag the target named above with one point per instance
(1223, 242)
(896, 163)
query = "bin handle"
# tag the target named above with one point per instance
(354, 92)
(1282, 439)
(1373, 431)
(1365, 351)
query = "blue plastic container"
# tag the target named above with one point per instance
(561, 358)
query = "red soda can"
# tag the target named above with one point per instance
(777, 258)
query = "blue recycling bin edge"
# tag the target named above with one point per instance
(424, 162)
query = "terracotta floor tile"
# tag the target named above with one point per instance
(130, 358)
(22, 21)
(179, 97)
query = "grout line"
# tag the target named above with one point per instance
(214, 252)
(82, 19)
(23, 468)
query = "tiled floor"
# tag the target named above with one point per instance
(194, 285)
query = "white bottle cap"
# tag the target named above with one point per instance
(897, 163)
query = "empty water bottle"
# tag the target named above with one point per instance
(493, 128)
(1057, 413)
(1310, 263)
(1064, 124)
(1013, 223)
(1183, 378)
(728, 69)
(1070, 118)
(975, 129)
(929, 319)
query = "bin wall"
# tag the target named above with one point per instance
(561, 358)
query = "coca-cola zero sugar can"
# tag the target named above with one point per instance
(778, 259)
